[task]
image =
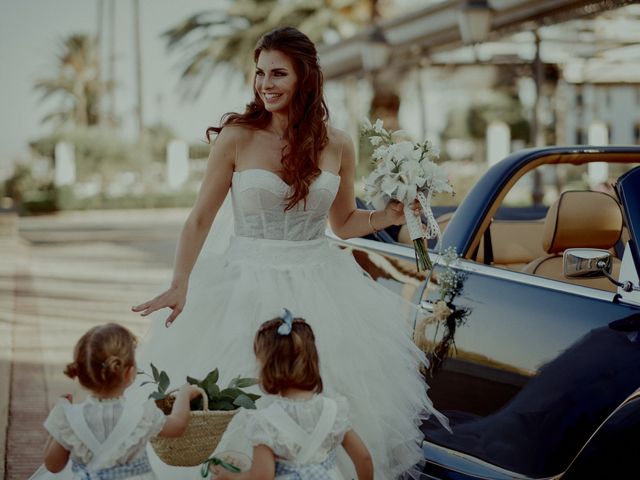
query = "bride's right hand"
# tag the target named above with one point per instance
(173, 298)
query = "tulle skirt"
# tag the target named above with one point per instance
(363, 336)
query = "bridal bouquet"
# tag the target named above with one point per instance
(406, 171)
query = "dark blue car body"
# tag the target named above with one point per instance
(541, 376)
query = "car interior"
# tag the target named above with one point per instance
(577, 219)
(532, 239)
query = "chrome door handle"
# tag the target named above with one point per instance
(426, 306)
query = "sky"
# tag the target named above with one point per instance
(30, 34)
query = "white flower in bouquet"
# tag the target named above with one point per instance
(406, 171)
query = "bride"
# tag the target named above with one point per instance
(287, 171)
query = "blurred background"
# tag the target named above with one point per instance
(105, 102)
(104, 105)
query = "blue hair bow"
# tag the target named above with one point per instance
(287, 322)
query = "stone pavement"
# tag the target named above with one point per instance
(12, 262)
(79, 270)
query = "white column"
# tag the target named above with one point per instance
(64, 164)
(177, 163)
(498, 138)
(598, 172)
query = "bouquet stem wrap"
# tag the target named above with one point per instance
(417, 231)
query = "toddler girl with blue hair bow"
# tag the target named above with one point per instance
(296, 431)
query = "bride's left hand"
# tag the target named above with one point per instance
(394, 211)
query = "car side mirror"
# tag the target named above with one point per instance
(587, 262)
(592, 262)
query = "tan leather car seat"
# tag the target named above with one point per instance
(579, 219)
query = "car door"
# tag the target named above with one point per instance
(523, 352)
(535, 368)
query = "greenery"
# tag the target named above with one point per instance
(225, 37)
(33, 197)
(230, 398)
(200, 149)
(102, 156)
(75, 82)
(447, 315)
(502, 107)
(103, 151)
(179, 199)
(472, 122)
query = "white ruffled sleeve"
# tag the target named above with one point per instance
(58, 426)
(342, 424)
(154, 417)
(150, 425)
(259, 431)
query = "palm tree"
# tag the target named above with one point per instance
(225, 37)
(77, 82)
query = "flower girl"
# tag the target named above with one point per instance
(295, 431)
(105, 436)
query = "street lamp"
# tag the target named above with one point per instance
(375, 50)
(474, 21)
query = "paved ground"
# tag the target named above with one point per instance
(58, 278)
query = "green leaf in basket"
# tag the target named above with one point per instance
(163, 382)
(193, 381)
(212, 390)
(252, 396)
(147, 382)
(222, 405)
(211, 377)
(232, 383)
(156, 374)
(231, 392)
(158, 395)
(244, 401)
(209, 384)
(242, 382)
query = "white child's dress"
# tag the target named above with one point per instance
(106, 438)
(303, 434)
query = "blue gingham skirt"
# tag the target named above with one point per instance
(138, 467)
(309, 471)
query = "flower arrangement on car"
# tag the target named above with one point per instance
(209, 417)
(406, 171)
(446, 315)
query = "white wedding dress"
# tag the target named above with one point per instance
(279, 259)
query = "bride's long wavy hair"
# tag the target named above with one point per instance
(308, 113)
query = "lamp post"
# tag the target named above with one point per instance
(537, 133)
(474, 21)
(375, 51)
(375, 62)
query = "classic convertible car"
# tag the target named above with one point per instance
(536, 360)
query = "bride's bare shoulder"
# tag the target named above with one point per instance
(337, 137)
(341, 144)
(236, 132)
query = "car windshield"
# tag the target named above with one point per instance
(628, 187)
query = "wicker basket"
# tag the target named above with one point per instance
(203, 434)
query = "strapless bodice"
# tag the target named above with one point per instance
(259, 206)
